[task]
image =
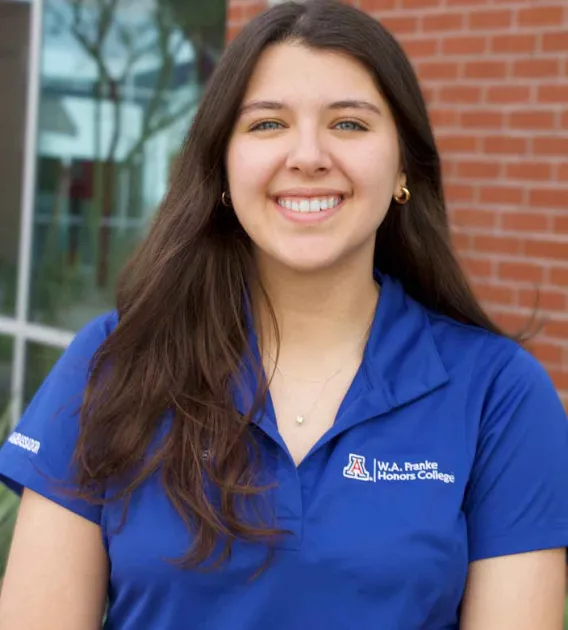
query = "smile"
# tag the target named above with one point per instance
(312, 204)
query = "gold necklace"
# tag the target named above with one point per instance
(301, 417)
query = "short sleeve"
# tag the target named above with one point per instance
(517, 497)
(38, 453)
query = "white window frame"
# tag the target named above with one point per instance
(19, 328)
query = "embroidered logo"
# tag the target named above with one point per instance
(25, 442)
(392, 471)
(356, 469)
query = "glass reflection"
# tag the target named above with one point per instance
(40, 359)
(14, 35)
(121, 80)
(6, 350)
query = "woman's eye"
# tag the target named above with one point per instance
(350, 125)
(266, 125)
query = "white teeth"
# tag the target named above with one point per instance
(310, 205)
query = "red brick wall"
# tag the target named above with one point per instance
(495, 75)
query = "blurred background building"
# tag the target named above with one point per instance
(96, 96)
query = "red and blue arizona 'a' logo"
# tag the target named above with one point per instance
(355, 469)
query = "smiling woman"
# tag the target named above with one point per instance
(324, 152)
(298, 415)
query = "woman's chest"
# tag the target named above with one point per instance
(381, 513)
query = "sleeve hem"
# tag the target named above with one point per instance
(524, 542)
(17, 482)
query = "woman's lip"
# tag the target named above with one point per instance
(307, 217)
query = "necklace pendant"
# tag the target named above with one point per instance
(300, 420)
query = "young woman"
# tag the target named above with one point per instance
(299, 416)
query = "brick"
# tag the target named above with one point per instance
(524, 221)
(556, 41)
(564, 120)
(487, 119)
(532, 120)
(508, 94)
(429, 93)
(511, 323)
(549, 198)
(559, 276)
(563, 172)
(438, 70)
(556, 328)
(551, 15)
(235, 13)
(486, 20)
(460, 94)
(497, 244)
(448, 167)
(505, 145)
(497, 294)
(476, 267)
(559, 378)
(443, 117)
(528, 171)
(252, 10)
(523, 271)
(377, 5)
(548, 299)
(550, 145)
(421, 47)
(560, 225)
(418, 4)
(398, 25)
(458, 192)
(505, 44)
(457, 143)
(501, 194)
(232, 31)
(545, 352)
(461, 241)
(478, 170)
(466, 218)
(442, 22)
(553, 93)
(485, 70)
(464, 45)
(547, 249)
(536, 68)
(466, 3)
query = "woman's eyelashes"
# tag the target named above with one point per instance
(342, 125)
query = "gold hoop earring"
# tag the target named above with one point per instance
(404, 197)
(226, 199)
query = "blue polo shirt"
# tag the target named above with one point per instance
(450, 446)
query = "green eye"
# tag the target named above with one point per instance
(266, 125)
(350, 125)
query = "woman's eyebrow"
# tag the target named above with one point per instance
(278, 106)
(253, 105)
(355, 104)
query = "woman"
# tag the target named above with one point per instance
(299, 415)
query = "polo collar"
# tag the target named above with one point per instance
(401, 363)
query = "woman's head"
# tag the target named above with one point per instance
(304, 61)
(182, 299)
(313, 161)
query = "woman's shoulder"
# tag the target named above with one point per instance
(95, 331)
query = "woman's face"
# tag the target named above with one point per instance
(313, 160)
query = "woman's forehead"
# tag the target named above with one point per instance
(292, 71)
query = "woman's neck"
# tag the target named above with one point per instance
(322, 317)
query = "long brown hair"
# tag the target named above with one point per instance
(182, 299)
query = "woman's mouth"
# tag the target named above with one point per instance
(303, 205)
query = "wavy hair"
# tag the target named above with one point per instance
(182, 298)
